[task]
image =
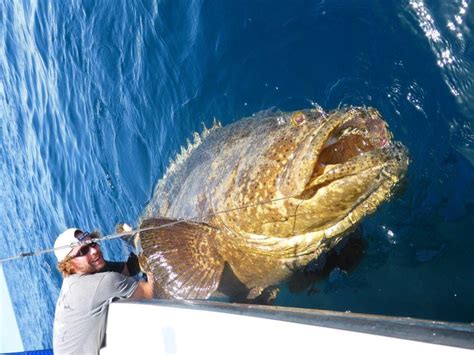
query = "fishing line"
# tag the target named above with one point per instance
(135, 231)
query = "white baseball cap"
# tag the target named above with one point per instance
(67, 241)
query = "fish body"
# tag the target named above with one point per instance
(262, 197)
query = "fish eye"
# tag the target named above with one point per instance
(298, 118)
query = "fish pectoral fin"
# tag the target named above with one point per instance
(182, 256)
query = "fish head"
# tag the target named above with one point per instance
(319, 173)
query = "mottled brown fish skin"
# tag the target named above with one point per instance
(323, 171)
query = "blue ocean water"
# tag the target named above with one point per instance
(97, 97)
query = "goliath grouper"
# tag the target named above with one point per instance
(267, 195)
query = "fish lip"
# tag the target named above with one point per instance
(393, 164)
(381, 188)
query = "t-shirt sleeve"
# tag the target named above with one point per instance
(115, 285)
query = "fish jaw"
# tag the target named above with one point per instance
(356, 169)
(343, 200)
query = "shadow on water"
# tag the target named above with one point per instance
(342, 259)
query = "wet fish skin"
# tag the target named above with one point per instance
(323, 171)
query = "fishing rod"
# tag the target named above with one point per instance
(138, 230)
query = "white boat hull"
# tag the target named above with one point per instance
(199, 327)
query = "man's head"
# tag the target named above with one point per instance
(75, 258)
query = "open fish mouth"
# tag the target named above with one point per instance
(340, 172)
(351, 143)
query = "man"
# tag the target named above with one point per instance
(90, 284)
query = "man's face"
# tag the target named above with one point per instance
(87, 259)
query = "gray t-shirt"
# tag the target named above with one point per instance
(81, 310)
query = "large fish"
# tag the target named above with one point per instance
(266, 195)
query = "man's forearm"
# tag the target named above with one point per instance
(144, 289)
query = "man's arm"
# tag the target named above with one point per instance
(144, 289)
(131, 267)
